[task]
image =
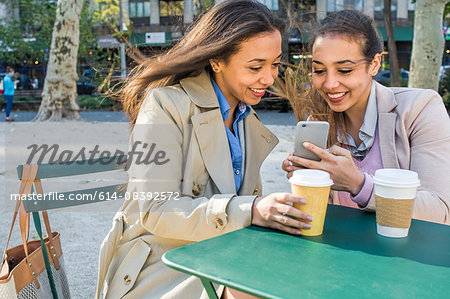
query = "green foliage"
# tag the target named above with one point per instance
(87, 102)
(447, 9)
(446, 98)
(35, 24)
(36, 21)
(444, 89)
(121, 36)
(202, 5)
(108, 12)
(403, 82)
(88, 40)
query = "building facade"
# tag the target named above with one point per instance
(402, 14)
(160, 23)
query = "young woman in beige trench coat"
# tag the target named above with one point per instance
(186, 103)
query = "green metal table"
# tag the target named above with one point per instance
(348, 260)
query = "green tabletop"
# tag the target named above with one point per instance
(349, 260)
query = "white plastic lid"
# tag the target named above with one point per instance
(311, 178)
(397, 178)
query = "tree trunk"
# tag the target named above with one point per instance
(392, 47)
(428, 44)
(59, 96)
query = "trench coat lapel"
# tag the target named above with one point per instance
(210, 132)
(259, 143)
(386, 125)
(212, 140)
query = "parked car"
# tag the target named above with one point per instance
(2, 75)
(86, 85)
(384, 77)
(444, 69)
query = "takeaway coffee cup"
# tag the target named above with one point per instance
(395, 191)
(314, 186)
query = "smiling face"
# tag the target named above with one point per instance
(342, 74)
(249, 72)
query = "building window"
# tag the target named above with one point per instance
(132, 10)
(379, 4)
(336, 5)
(139, 9)
(378, 10)
(271, 4)
(171, 8)
(147, 9)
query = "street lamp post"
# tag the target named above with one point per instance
(123, 67)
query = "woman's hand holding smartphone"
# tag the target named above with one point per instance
(310, 152)
(315, 132)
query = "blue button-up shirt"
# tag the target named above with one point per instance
(233, 139)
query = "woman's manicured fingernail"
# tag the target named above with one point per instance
(310, 218)
(308, 226)
(298, 232)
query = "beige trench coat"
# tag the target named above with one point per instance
(414, 134)
(185, 122)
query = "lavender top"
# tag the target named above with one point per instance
(371, 162)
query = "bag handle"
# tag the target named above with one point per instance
(24, 217)
(29, 172)
(39, 190)
(37, 223)
(26, 170)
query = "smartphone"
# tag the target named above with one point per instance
(315, 132)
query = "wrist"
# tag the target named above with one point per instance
(254, 209)
(359, 183)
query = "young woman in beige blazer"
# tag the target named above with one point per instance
(374, 126)
(189, 191)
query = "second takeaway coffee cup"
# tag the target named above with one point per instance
(314, 186)
(395, 191)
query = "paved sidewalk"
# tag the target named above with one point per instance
(83, 229)
(268, 117)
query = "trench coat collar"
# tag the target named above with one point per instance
(200, 90)
(387, 117)
(210, 133)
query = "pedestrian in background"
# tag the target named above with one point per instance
(8, 85)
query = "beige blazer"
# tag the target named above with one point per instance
(414, 134)
(185, 122)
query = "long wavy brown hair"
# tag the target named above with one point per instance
(296, 85)
(216, 35)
